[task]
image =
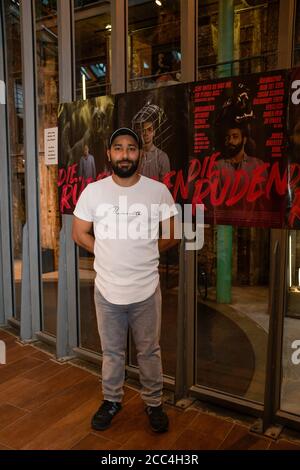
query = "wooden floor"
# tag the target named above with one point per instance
(48, 405)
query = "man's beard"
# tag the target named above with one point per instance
(233, 150)
(125, 172)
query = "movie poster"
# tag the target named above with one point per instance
(221, 143)
(293, 128)
(239, 165)
(84, 131)
(160, 117)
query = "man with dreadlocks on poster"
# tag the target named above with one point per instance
(149, 122)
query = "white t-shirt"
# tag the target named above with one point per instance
(126, 227)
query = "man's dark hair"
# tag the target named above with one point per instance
(244, 129)
(221, 132)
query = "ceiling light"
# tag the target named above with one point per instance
(158, 2)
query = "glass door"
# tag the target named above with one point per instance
(47, 97)
(290, 365)
(231, 338)
(92, 23)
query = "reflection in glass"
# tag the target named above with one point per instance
(92, 49)
(231, 341)
(255, 38)
(47, 86)
(290, 385)
(154, 53)
(16, 142)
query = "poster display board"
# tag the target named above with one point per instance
(231, 144)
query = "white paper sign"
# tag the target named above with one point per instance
(51, 154)
(2, 92)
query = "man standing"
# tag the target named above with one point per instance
(155, 163)
(87, 168)
(126, 210)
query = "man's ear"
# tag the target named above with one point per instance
(108, 154)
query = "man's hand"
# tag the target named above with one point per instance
(81, 234)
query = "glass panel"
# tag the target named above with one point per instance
(154, 53)
(16, 143)
(84, 3)
(92, 48)
(290, 384)
(291, 336)
(92, 55)
(93, 78)
(255, 38)
(231, 341)
(169, 280)
(50, 222)
(89, 337)
(297, 36)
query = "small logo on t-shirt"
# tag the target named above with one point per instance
(116, 210)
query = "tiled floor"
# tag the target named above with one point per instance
(48, 405)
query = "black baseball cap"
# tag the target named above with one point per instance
(124, 131)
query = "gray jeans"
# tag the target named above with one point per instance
(144, 318)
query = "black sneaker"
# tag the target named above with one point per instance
(158, 419)
(102, 418)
